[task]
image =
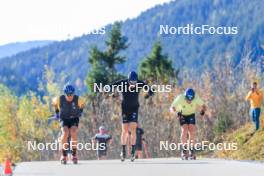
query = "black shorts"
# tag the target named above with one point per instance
(190, 119)
(139, 147)
(69, 122)
(130, 114)
(101, 153)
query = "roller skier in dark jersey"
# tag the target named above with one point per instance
(130, 105)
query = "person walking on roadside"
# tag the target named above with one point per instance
(103, 140)
(255, 96)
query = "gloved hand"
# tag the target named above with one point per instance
(81, 113)
(179, 114)
(57, 116)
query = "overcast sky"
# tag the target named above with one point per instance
(26, 20)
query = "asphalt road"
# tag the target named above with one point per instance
(145, 167)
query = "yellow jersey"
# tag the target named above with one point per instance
(56, 102)
(255, 98)
(186, 108)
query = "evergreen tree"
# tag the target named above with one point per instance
(157, 66)
(103, 62)
(98, 73)
(115, 44)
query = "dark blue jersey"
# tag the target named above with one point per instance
(130, 95)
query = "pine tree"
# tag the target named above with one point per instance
(115, 44)
(103, 63)
(157, 66)
(98, 73)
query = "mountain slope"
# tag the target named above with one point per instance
(14, 48)
(250, 145)
(192, 51)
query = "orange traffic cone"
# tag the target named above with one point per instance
(7, 168)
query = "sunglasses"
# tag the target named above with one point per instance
(133, 82)
(190, 98)
(69, 95)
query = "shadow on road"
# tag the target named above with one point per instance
(161, 163)
(146, 162)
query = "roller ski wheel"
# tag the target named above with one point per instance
(75, 160)
(192, 156)
(123, 156)
(63, 160)
(184, 155)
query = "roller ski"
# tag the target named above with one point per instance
(132, 157)
(192, 155)
(123, 156)
(184, 153)
(63, 160)
(75, 160)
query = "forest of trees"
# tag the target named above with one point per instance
(68, 59)
(223, 88)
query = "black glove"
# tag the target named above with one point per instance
(202, 113)
(179, 114)
(57, 115)
(80, 113)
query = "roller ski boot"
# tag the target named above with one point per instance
(184, 155)
(192, 155)
(74, 159)
(132, 157)
(63, 160)
(123, 156)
